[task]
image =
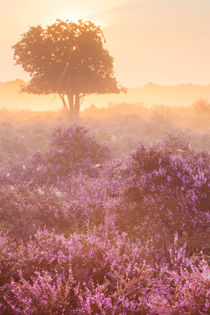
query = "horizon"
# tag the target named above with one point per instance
(151, 94)
(132, 87)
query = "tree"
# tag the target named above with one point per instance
(68, 59)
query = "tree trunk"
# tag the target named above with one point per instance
(65, 106)
(76, 107)
(71, 105)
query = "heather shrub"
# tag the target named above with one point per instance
(16, 215)
(42, 295)
(98, 273)
(84, 234)
(8, 258)
(30, 172)
(201, 111)
(75, 149)
(23, 211)
(166, 190)
(12, 143)
(75, 204)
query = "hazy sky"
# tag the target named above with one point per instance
(162, 41)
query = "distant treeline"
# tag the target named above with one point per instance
(196, 116)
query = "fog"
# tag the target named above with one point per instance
(122, 126)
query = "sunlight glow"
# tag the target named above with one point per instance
(71, 15)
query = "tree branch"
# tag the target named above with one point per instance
(64, 102)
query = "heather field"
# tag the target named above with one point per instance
(107, 216)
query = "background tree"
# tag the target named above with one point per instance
(68, 59)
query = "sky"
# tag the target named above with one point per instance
(162, 41)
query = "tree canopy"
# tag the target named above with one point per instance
(68, 59)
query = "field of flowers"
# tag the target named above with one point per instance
(105, 218)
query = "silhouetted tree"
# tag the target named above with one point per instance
(68, 59)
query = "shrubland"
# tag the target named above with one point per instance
(106, 218)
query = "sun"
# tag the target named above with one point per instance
(72, 17)
(73, 14)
